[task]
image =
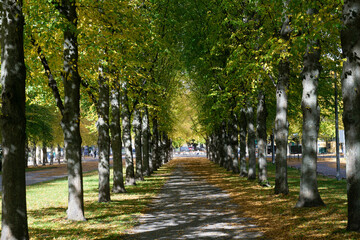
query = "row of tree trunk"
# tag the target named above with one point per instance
(13, 121)
(237, 133)
(39, 155)
(151, 150)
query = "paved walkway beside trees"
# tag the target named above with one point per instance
(190, 208)
(55, 171)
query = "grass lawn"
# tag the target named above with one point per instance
(275, 214)
(47, 204)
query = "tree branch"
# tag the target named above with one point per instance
(52, 82)
(89, 89)
(270, 76)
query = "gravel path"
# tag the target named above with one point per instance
(190, 208)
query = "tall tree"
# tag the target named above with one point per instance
(251, 142)
(146, 142)
(309, 195)
(350, 81)
(242, 142)
(126, 124)
(70, 110)
(262, 138)
(137, 125)
(234, 144)
(281, 121)
(104, 137)
(13, 121)
(115, 128)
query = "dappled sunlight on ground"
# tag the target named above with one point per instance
(190, 208)
(275, 215)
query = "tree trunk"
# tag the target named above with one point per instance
(233, 137)
(211, 148)
(129, 161)
(228, 149)
(309, 195)
(138, 144)
(164, 149)
(38, 154)
(13, 122)
(103, 138)
(215, 149)
(156, 147)
(44, 154)
(251, 142)
(51, 155)
(70, 122)
(242, 134)
(115, 128)
(146, 142)
(262, 139)
(161, 150)
(58, 154)
(281, 123)
(281, 130)
(151, 153)
(33, 154)
(207, 142)
(350, 81)
(27, 153)
(222, 146)
(169, 148)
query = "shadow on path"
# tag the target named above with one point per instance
(190, 208)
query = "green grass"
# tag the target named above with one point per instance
(47, 204)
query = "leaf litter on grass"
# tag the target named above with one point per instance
(47, 204)
(275, 215)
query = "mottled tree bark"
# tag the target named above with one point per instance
(115, 128)
(209, 148)
(242, 135)
(38, 155)
(228, 151)
(155, 146)
(164, 143)
(13, 122)
(234, 144)
(102, 125)
(146, 142)
(207, 142)
(137, 126)
(251, 142)
(309, 195)
(215, 152)
(70, 111)
(126, 124)
(151, 153)
(281, 123)
(350, 81)
(262, 139)
(222, 143)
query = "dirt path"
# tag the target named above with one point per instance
(190, 208)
